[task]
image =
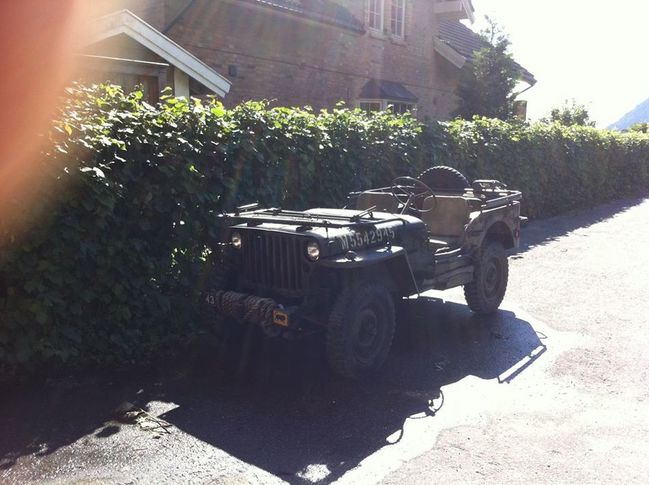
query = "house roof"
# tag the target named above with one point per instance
(326, 11)
(126, 22)
(380, 89)
(464, 43)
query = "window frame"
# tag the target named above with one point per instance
(384, 104)
(380, 13)
(361, 102)
(394, 17)
(405, 107)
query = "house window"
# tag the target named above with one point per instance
(397, 16)
(375, 14)
(370, 106)
(401, 108)
(397, 107)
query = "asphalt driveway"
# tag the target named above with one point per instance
(554, 388)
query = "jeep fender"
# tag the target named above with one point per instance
(505, 232)
(380, 263)
(496, 224)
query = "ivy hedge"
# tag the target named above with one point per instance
(114, 258)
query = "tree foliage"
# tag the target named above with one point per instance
(570, 113)
(487, 84)
(640, 128)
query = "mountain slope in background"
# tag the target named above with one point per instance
(639, 114)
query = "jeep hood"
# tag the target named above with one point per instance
(335, 230)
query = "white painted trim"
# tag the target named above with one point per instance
(468, 8)
(181, 83)
(403, 25)
(128, 61)
(384, 103)
(382, 27)
(462, 9)
(380, 102)
(450, 54)
(125, 22)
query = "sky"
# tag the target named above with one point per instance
(593, 51)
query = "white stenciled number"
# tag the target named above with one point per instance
(359, 239)
(351, 242)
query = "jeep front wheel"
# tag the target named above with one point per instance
(487, 290)
(360, 330)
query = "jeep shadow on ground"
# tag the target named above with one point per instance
(286, 413)
(279, 408)
(273, 403)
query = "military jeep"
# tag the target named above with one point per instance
(343, 270)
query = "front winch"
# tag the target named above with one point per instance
(245, 308)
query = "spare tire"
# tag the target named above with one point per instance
(444, 178)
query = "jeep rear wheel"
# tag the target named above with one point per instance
(360, 330)
(487, 290)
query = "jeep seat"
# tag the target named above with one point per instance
(448, 217)
(384, 202)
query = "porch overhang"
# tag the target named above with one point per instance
(382, 89)
(127, 23)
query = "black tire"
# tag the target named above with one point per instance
(360, 330)
(444, 178)
(487, 290)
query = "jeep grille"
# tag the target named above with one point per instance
(274, 261)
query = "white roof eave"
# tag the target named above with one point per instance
(450, 54)
(126, 22)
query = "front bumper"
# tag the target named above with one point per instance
(245, 308)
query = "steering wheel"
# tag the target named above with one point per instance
(414, 191)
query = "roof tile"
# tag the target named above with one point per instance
(327, 11)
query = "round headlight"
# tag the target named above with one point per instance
(313, 251)
(236, 240)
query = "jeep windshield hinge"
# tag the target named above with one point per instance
(245, 208)
(370, 211)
